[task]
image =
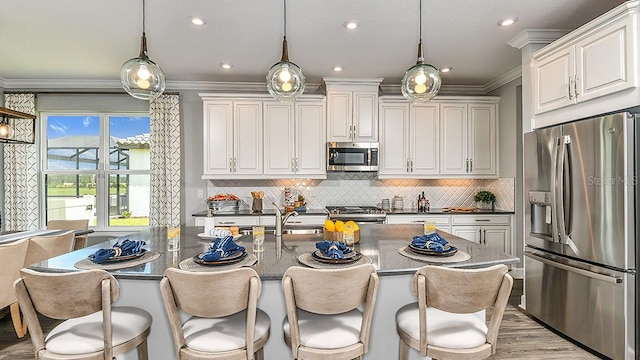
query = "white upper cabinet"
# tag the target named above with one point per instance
(232, 138)
(468, 139)
(590, 71)
(254, 137)
(294, 140)
(352, 109)
(451, 136)
(409, 139)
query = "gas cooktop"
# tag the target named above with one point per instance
(357, 213)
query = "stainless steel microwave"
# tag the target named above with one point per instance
(352, 156)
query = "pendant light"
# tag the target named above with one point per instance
(141, 77)
(285, 80)
(422, 81)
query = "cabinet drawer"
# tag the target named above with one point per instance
(236, 220)
(480, 220)
(308, 220)
(418, 219)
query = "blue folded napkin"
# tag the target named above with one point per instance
(125, 248)
(333, 249)
(221, 248)
(433, 242)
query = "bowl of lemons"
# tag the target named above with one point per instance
(333, 230)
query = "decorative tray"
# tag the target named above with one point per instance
(114, 259)
(348, 258)
(209, 237)
(231, 259)
(448, 250)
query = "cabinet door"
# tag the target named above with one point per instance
(310, 157)
(550, 80)
(453, 149)
(279, 136)
(236, 220)
(248, 137)
(471, 233)
(339, 116)
(482, 139)
(497, 237)
(605, 61)
(394, 147)
(218, 137)
(365, 116)
(424, 135)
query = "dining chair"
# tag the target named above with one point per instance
(46, 247)
(444, 322)
(81, 224)
(224, 319)
(329, 311)
(92, 327)
(12, 257)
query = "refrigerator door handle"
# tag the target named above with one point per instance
(559, 188)
(554, 192)
(591, 274)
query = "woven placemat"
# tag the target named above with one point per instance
(86, 264)
(307, 259)
(190, 265)
(457, 257)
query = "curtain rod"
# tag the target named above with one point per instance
(80, 92)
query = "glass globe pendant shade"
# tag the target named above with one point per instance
(421, 83)
(6, 131)
(285, 80)
(142, 78)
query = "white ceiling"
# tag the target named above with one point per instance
(45, 41)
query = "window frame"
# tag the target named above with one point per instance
(103, 173)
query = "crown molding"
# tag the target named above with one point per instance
(536, 36)
(503, 80)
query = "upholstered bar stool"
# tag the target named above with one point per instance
(92, 329)
(46, 247)
(225, 322)
(443, 323)
(12, 257)
(81, 241)
(329, 311)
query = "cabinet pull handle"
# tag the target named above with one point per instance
(226, 222)
(411, 165)
(470, 165)
(483, 219)
(569, 89)
(235, 164)
(408, 170)
(418, 221)
(575, 87)
(354, 132)
(297, 165)
(295, 222)
(467, 167)
(230, 165)
(484, 236)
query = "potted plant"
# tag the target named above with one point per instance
(485, 200)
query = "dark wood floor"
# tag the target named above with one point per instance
(520, 338)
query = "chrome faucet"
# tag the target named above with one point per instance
(281, 221)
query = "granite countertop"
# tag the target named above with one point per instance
(380, 242)
(437, 211)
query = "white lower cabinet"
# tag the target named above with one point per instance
(493, 231)
(442, 221)
(236, 220)
(266, 220)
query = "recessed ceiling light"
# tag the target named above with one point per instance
(198, 21)
(351, 24)
(507, 21)
(226, 66)
(446, 69)
(337, 68)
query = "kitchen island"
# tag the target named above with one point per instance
(380, 242)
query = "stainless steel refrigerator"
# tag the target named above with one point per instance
(581, 220)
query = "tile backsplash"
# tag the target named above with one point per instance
(366, 189)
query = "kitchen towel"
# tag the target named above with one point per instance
(333, 249)
(222, 248)
(126, 248)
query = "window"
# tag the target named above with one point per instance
(96, 166)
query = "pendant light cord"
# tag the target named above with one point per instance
(285, 18)
(143, 15)
(420, 20)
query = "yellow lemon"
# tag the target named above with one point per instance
(329, 225)
(339, 225)
(353, 224)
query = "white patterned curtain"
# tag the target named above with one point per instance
(165, 161)
(21, 170)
